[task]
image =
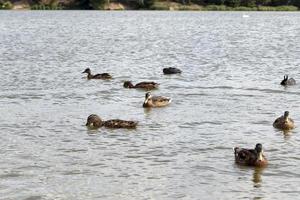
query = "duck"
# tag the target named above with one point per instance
(250, 157)
(142, 85)
(155, 101)
(96, 76)
(287, 81)
(171, 70)
(94, 122)
(284, 122)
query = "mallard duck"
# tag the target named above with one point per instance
(287, 81)
(141, 85)
(284, 122)
(250, 157)
(94, 121)
(155, 101)
(171, 70)
(96, 76)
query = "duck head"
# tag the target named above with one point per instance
(284, 81)
(286, 116)
(128, 84)
(87, 70)
(94, 121)
(147, 97)
(259, 152)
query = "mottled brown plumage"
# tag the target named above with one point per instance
(250, 157)
(284, 122)
(117, 123)
(94, 121)
(156, 101)
(142, 85)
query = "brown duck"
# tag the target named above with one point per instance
(142, 85)
(284, 122)
(96, 76)
(250, 157)
(156, 101)
(94, 121)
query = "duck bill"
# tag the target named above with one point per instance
(260, 157)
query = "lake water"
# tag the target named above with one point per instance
(228, 95)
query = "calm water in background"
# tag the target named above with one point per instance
(228, 95)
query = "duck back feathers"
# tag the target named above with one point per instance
(171, 70)
(117, 123)
(142, 85)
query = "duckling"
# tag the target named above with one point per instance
(284, 122)
(171, 70)
(250, 157)
(96, 76)
(156, 101)
(94, 121)
(141, 85)
(287, 81)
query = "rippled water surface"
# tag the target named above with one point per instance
(228, 95)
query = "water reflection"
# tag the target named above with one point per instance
(257, 172)
(257, 176)
(287, 134)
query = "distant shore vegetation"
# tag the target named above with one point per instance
(197, 5)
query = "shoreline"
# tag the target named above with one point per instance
(157, 6)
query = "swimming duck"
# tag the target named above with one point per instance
(284, 122)
(171, 70)
(155, 101)
(141, 85)
(96, 76)
(94, 121)
(250, 157)
(287, 81)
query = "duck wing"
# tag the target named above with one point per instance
(102, 76)
(118, 123)
(159, 101)
(291, 81)
(245, 156)
(278, 121)
(148, 85)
